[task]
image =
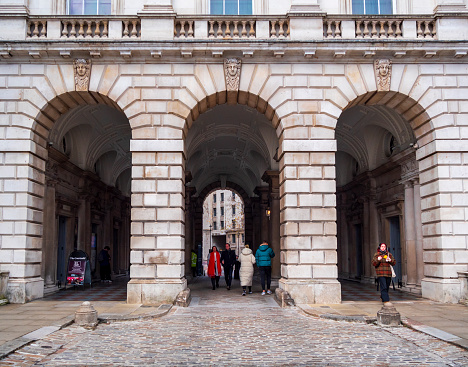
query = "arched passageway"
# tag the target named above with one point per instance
(234, 147)
(378, 189)
(87, 184)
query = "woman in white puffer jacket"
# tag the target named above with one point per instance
(247, 260)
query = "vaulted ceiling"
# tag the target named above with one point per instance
(232, 143)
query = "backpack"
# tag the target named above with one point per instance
(101, 257)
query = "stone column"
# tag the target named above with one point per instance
(343, 239)
(366, 246)
(158, 220)
(49, 241)
(419, 233)
(189, 245)
(272, 177)
(373, 233)
(410, 235)
(84, 224)
(262, 192)
(308, 219)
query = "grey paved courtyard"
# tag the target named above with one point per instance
(223, 328)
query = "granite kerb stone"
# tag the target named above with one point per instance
(108, 318)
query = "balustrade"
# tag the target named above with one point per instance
(231, 29)
(131, 28)
(331, 28)
(426, 29)
(37, 29)
(382, 29)
(279, 29)
(184, 29)
(82, 28)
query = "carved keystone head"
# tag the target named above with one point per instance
(232, 69)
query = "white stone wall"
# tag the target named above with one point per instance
(303, 100)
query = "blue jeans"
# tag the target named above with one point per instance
(384, 283)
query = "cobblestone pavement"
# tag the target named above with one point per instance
(224, 328)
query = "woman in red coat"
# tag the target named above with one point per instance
(214, 267)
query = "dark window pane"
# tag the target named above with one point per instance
(104, 7)
(230, 7)
(372, 7)
(90, 7)
(358, 6)
(386, 7)
(216, 7)
(245, 7)
(75, 7)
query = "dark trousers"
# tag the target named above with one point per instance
(228, 275)
(105, 272)
(384, 284)
(215, 281)
(194, 272)
(265, 272)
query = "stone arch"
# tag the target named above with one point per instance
(404, 105)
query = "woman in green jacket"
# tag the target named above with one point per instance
(263, 258)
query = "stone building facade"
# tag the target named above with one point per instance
(351, 128)
(223, 221)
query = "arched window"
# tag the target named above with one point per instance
(231, 7)
(89, 7)
(372, 7)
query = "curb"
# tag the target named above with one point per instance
(110, 318)
(20, 342)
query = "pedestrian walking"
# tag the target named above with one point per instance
(104, 264)
(383, 261)
(228, 259)
(263, 256)
(214, 267)
(247, 261)
(193, 259)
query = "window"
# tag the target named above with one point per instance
(233, 223)
(222, 210)
(214, 198)
(214, 226)
(89, 7)
(233, 210)
(243, 238)
(222, 197)
(222, 224)
(233, 238)
(214, 212)
(372, 7)
(233, 195)
(231, 7)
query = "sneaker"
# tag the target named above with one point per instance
(269, 292)
(263, 293)
(250, 292)
(243, 293)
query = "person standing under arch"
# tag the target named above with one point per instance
(214, 267)
(382, 261)
(263, 257)
(247, 260)
(228, 259)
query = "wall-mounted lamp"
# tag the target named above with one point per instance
(268, 212)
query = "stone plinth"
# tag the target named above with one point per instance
(154, 292)
(388, 315)
(283, 298)
(312, 290)
(86, 316)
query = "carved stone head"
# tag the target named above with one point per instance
(232, 69)
(383, 73)
(82, 71)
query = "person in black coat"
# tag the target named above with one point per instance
(228, 259)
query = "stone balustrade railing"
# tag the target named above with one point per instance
(229, 28)
(240, 28)
(378, 28)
